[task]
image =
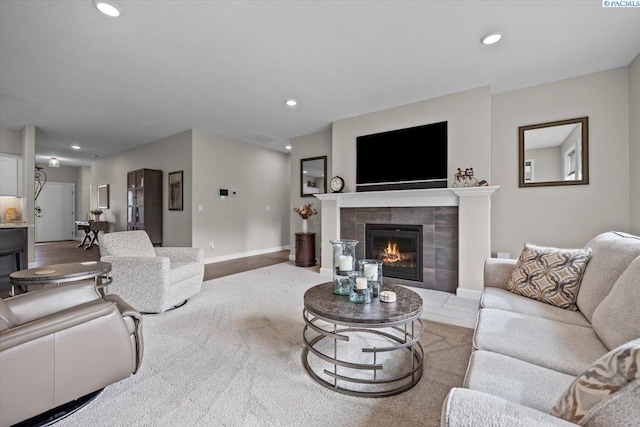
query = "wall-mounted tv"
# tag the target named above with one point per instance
(403, 159)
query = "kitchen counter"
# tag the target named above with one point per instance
(15, 224)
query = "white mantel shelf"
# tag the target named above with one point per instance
(428, 197)
(474, 224)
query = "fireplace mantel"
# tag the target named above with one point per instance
(474, 224)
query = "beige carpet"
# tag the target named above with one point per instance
(232, 357)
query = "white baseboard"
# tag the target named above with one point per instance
(245, 254)
(468, 293)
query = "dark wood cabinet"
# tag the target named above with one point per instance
(144, 203)
(305, 249)
(13, 253)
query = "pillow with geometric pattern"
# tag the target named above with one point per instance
(606, 382)
(550, 275)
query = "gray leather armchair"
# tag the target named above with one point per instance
(59, 344)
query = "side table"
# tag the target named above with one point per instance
(63, 273)
(91, 231)
(305, 249)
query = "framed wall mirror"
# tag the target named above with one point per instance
(103, 196)
(313, 176)
(554, 153)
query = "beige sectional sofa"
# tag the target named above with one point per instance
(527, 353)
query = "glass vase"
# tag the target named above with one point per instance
(361, 290)
(344, 265)
(371, 269)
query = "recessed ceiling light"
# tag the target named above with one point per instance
(288, 147)
(490, 38)
(75, 147)
(291, 102)
(108, 7)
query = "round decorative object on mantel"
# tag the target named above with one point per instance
(305, 225)
(336, 184)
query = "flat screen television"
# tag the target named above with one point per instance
(403, 159)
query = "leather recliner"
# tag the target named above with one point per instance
(61, 343)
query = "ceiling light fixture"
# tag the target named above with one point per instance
(75, 147)
(291, 102)
(490, 38)
(288, 147)
(54, 162)
(108, 7)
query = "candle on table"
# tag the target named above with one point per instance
(371, 271)
(361, 283)
(345, 263)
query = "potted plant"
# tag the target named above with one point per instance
(305, 212)
(96, 214)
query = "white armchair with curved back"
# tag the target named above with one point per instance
(151, 279)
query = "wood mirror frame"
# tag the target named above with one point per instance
(316, 168)
(574, 158)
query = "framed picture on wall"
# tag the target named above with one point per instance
(175, 191)
(103, 196)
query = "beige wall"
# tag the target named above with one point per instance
(169, 155)
(239, 225)
(566, 216)
(469, 131)
(313, 145)
(10, 142)
(28, 139)
(634, 144)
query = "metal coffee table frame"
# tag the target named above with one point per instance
(409, 329)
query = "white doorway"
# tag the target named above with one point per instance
(55, 212)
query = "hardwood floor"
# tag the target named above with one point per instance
(62, 252)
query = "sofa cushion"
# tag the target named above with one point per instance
(555, 345)
(515, 380)
(505, 300)
(611, 254)
(7, 319)
(617, 318)
(598, 385)
(550, 275)
(621, 410)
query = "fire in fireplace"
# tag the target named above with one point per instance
(399, 247)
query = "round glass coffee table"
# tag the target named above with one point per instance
(367, 350)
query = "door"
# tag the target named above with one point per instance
(55, 212)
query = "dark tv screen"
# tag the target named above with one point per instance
(404, 155)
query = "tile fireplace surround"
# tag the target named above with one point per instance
(473, 228)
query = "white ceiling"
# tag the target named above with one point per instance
(227, 67)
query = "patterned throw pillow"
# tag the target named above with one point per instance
(598, 385)
(550, 275)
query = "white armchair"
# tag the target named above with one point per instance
(151, 279)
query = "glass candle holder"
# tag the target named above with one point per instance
(361, 291)
(372, 270)
(344, 263)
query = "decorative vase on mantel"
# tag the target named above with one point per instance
(305, 225)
